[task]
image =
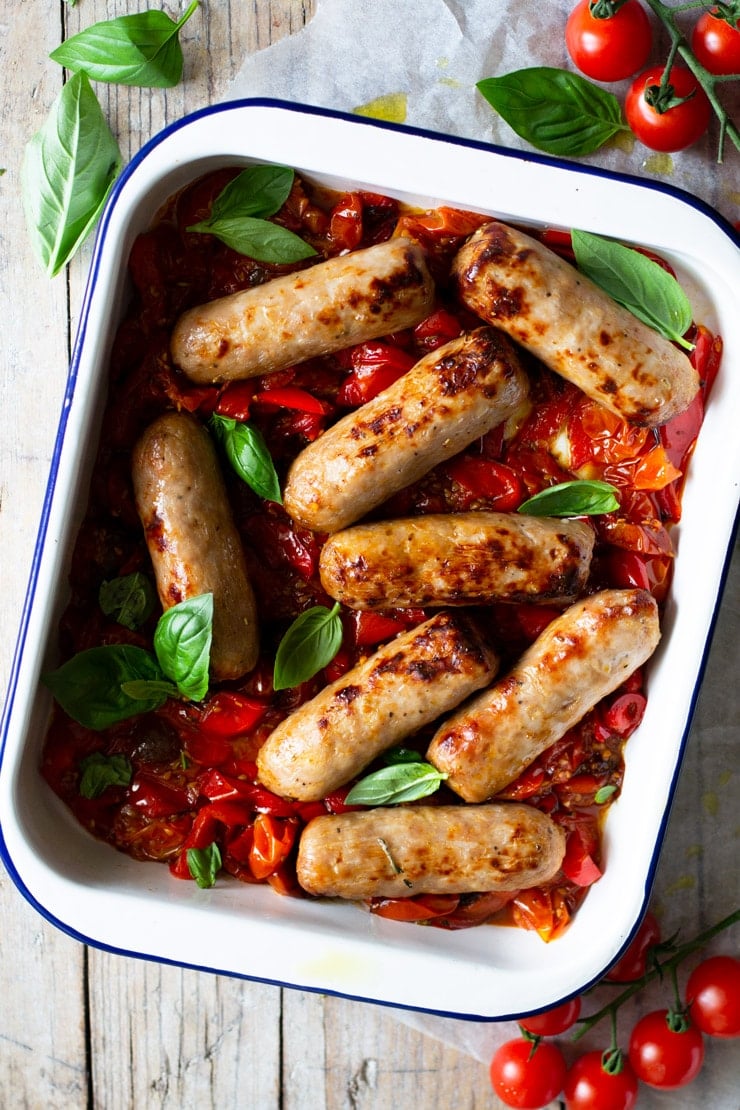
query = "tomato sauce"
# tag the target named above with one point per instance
(192, 766)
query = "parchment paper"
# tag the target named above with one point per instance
(426, 55)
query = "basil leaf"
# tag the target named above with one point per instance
(182, 644)
(247, 452)
(142, 689)
(554, 110)
(259, 191)
(311, 642)
(577, 498)
(130, 599)
(68, 170)
(635, 282)
(89, 685)
(142, 50)
(603, 794)
(401, 782)
(100, 771)
(258, 239)
(204, 864)
(402, 755)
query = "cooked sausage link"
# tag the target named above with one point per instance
(193, 543)
(580, 657)
(445, 849)
(406, 684)
(518, 284)
(457, 559)
(448, 399)
(334, 304)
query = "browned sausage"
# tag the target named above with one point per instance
(192, 541)
(454, 849)
(579, 658)
(516, 283)
(334, 304)
(448, 399)
(406, 684)
(457, 559)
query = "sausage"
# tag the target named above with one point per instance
(457, 559)
(580, 657)
(193, 543)
(334, 304)
(406, 684)
(448, 399)
(516, 283)
(445, 849)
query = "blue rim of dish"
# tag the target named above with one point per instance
(437, 137)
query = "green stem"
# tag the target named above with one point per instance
(707, 80)
(656, 972)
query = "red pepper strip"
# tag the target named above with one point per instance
(578, 863)
(529, 782)
(291, 397)
(437, 329)
(678, 436)
(229, 713)
(371, 628)
(236, 400)
(706, 356)
(218, 787)
(422, 908)
(155, 798)
(273, 840)
(334, 802)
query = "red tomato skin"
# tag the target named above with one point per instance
(553, 1021)
(633, 964)
(588, 1087)
(677, 128)
(609, 49)
(713, 995)
(716, 44)
(527, 1077)
(662, 1058)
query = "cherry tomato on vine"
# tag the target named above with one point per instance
(589, 1086)
(663, 1058)
(716, 43)
(656, 120)
(553, 1021)
(633, 964)
(607, 42)
(527, 1076)
(713, 996)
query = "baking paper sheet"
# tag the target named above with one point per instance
(421, 60)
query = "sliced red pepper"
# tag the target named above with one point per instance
(534, 619)
(437, 329)
(345, 222)
(154, 797)
(578, 864)
(487, 480)
(335, 801)
(235, 400)
(529, 782)
(372, 628)
(375, 367)
(706, 357)
(558, 241)
(229, 713)
(340, 664)
(273, 840)
(291, 397)
(678, 436)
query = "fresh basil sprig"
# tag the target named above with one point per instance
(637, 283)
(104, 685)
(130, 599)
(99, 771)
(68, 170)
(239, 216)
(577, 498)
(311, 642)
(182, 644)
(142, 49)
(400, 782)
(204, 864)
(555, 110)
(89, 686)
(247, 452)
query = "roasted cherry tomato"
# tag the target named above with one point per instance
(633, 964)
(608, 44)
(553, 1021)
(590, 1086)
(713, 996)
(662, 1057)
(485, 480)
(425, 907)
(527, 1076)
(271, 845)
(716, 43)
(656, 120)
(229, 713)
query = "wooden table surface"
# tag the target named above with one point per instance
(80, 1027)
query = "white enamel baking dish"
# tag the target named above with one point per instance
(104, 898)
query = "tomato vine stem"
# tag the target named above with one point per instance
(656, 972)
(667, 16)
